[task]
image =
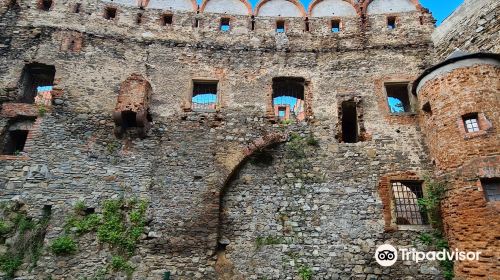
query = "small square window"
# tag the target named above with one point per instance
(204, 96)
(391, 23)
(491, 189)
(471, 123)
(138, 18)
(77, 8)
(45, 5)
(225, 24)
(399, 98)
(166, 20)
(110, 13)
(335, 26)
(280, 26)
(406, 195)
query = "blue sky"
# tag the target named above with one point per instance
(440, 8)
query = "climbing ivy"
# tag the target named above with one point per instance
(431, 204)
(120, 225)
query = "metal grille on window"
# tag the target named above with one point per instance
(204, 96)
(471, 125)
(406, 195)
(491, 189)
(288, 98)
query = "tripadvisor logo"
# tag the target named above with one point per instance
(387, 255)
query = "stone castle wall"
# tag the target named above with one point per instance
(195, 168)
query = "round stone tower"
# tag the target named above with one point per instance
(459, 101)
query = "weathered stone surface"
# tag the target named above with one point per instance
(218, 181)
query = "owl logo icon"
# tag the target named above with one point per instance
(386, 255)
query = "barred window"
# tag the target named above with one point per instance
(406, 195)
(491, 189)
(471, 123)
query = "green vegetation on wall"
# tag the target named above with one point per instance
(120, 225)
(431, 204)
(22, 236)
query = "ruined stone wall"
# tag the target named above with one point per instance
(325, 205)
(463, 159)
(472, 27)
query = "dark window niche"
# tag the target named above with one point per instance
(166, 20)
(14, 142)
(350, 127)
(45, 5)
(110, 13)
(391, 23)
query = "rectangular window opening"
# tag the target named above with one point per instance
(129, 119)
(471, 122)
(196, 23)
(14, 141)
(110, 13)
(391, 23)
(307, 26)
(77, 8)
(45, 5)
(335, 26)
(288, 98)
(350, 128)
(491, 187)
(406, 195)
(398, 97)
(225, 24)
(167, 20)
(138, 18)
(204, 96)
(280, 26)
(36, 78)
(253, 23)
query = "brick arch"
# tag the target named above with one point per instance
(245, 2)
(242, 155)
(313, 4)
(297, 3)
(364, 5)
